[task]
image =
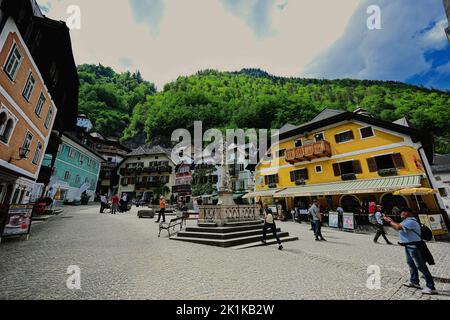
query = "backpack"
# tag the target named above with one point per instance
(426, 233)
(372, 219)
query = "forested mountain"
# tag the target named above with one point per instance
(109, 98)
(250, 98)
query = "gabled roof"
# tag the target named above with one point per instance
(331, 116)
(150, 150)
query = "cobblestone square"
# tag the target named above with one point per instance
(121, 257)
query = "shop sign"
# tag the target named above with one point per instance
(18, 221)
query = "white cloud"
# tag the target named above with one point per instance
(397, 52)
(200, 34)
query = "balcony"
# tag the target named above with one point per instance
(388, 172)
(181, 189)
(309, 152)
(349, 177)
(151, 169)
(148, 184)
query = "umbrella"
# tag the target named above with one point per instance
(415, 192)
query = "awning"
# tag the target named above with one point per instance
(353, 187)
(262, 193)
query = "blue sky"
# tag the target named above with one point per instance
(313, 38)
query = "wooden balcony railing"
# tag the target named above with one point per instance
(316, 150)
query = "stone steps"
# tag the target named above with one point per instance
(225, 236)
(260, 244)
(224, 229)
(227, 243)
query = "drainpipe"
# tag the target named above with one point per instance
(432, 183)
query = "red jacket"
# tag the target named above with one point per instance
(115, 200)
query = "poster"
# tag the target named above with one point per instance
(333, 220)
(435, 223)
(18, 220)
(349, 221)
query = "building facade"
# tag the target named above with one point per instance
(76, 170)
(182, 187)
(27, 114)
(146, 173)
(347, 159)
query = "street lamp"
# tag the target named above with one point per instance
(23, 154)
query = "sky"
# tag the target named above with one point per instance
(165, 39)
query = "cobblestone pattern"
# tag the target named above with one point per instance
(121, 257)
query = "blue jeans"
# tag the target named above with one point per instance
(416, 263)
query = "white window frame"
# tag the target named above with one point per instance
(26, 88)
(347, 140)
(322, 133)
(66, 175)
(28, 134)
(72, 153)
(318, 166)
(77, 179)
(360, 133)
(49, 118)
(39, 105)
(295, 142)
(14, 46)
(9, 116)
(37, 153)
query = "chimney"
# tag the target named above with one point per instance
(362, 112)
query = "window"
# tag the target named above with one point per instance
(49, 118)
(86, 180)
(72, 153)
(345, 136)
(298, 143)
(82, 159)
(390, 161)
(272, 179)
(60, 148)
(348, 167)
(27, 142)
(6, 127)
(13, 63)
(78, 179)
(280, 153)
(298, 175)
(366, 132)
(319, 137)
(319, 169)
(39, 105)
(66, 176)
(29, 86)
(37, 154)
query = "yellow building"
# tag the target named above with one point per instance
(347, 159)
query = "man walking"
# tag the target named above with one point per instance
(115, 204)
(103, 203)
(317, 216)
(410, 237)
(379, 226)
(162, 209)
(269, 223)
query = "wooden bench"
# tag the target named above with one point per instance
(171, 225)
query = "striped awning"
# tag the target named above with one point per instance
(353, 187)
(262, 193)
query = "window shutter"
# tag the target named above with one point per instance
(372, 163)
(338, 138)
(277, 179)
(337, 169)
(398, 161)
(292, 176)
(266, 180)
(305, 174)
(357, 167)
(351, 134)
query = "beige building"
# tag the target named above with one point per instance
(146, 173)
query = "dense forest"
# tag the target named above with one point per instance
(129, 106)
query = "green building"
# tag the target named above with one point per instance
(76, 170)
